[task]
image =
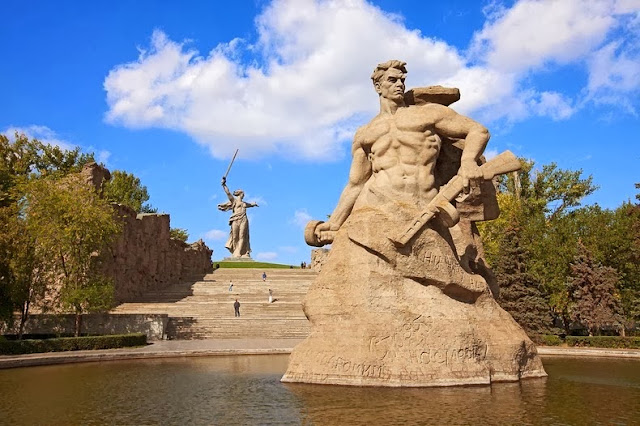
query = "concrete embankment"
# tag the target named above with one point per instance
(160, 349)
(185, 348)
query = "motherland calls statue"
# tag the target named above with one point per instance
(238, 242)
(404, 297)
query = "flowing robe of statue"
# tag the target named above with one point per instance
(238, 242)
(391, 308)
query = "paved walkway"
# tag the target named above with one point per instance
(181, 348)
(588, 352)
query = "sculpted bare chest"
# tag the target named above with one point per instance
(405, 130)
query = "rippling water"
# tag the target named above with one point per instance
(247, 390)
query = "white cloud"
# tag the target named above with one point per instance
(306, 87)
(614, 72)
(534, 35)
(301, 217)
(627, 6)
(534, 32)
(614, 69)
(216, 235)
(42, 133)
(553, 105)
(103, 156)
(314, 81)
(490, 153)
(267, 255)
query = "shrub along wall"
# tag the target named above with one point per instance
(153, 325)
(547, 339)
(604, 342)
(17, 347)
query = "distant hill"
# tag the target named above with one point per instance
(254, 265)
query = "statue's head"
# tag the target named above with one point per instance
(388, 79)
(238, 193)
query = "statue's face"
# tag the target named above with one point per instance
(238, 193)
(391, 85)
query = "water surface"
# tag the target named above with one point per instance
(247, 390)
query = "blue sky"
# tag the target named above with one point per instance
(169, 90)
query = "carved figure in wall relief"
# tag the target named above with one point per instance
(238, 242)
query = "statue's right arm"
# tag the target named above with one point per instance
(226, 190)
(359, 173)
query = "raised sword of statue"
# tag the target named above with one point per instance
(224, 178)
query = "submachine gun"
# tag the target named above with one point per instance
(441, 203)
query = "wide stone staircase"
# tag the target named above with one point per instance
(204, 309)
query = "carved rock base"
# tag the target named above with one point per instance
(420, 351)
(373, 326)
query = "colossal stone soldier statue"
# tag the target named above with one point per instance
(404, 298)
(238, 242)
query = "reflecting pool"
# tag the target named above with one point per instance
(247, 390)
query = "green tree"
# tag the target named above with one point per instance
(561, 190)
(623, 253)
(544, 204)
(519, 292)
(179, 234)
(125, 188)
(23, 272)
(73, 227)
(592, 292)
(613, 239)
(22, 160)
(7, 304)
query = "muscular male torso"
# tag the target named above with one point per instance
(402, 149)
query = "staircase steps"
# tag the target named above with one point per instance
(204, 309)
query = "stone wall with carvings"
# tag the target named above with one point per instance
(146, 258)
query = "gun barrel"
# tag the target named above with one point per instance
(504, 163)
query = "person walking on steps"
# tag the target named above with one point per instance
(264, 276)
(230, 285)
(270, 296)
(236, 308)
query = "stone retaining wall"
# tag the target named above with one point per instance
(153, 325)
(145, 258)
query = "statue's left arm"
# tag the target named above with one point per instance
(453, 125)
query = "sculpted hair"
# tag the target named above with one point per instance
(383, 67)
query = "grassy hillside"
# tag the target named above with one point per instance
(255, 265)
